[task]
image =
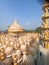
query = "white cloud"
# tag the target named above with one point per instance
(27, 23)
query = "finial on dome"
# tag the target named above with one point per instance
(15, 20)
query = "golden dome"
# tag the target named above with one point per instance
(8, 51)
(15, 27)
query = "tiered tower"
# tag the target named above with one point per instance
(45, 25)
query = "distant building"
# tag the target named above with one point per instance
(15, 28)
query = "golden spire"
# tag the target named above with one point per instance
(45, 27)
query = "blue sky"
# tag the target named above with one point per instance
(27, 12)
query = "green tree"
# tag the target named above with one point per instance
(38, 29)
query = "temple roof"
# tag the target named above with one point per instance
(15, 27)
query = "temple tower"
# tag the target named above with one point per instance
(45, 25)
